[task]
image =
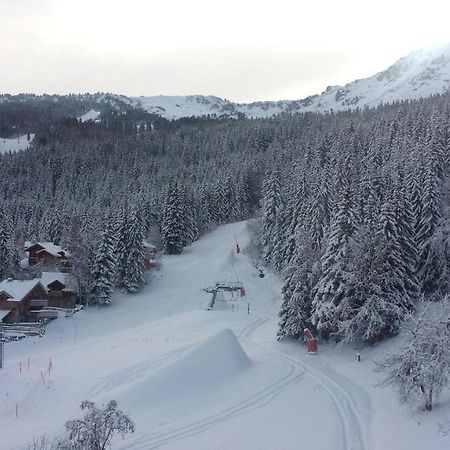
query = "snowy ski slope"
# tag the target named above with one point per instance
(192, 378)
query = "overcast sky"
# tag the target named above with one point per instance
(243, 50)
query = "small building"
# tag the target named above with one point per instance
(18, 297)
(47, 254)
(62, 289)
(21, 300)
(151, 256)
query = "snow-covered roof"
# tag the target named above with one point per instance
(4, 313)
(90, 115)
(64, 278)
(17, 289)
(49, 247)
(149, 246)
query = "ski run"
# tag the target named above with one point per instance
(196, 379)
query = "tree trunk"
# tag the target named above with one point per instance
(429, 400)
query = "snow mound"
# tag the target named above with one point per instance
(213, 362)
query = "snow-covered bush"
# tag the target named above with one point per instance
(97, 428)
(420, 369)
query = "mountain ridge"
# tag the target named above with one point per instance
(420, 74)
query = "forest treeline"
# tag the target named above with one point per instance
(352, 206)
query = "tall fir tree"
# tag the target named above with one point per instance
(271, 214)
(330, 288)
(104, 266)
(173, 220)
(133, 278)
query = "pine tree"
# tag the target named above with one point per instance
(330, 288)
(320, 211)
(219, 206)
(103, 270)
(120, 246)
(134, 268)
(189, 223)
(429, 219)
(382, 288)
(271, 210)
(173, 219)
(5, 253)
(81, 251)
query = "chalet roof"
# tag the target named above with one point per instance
(56, 283)
(17, 289)
(64, 278)
(149, 246)
(51, 248)
(4, 313)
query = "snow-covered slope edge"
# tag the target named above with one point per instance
(420, 74)
(16, 144)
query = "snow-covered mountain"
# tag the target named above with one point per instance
(420, 74)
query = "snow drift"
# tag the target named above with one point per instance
(213, 362)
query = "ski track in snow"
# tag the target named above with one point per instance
(352, 424)
(133, 373)
(260, 398)
(350, 420)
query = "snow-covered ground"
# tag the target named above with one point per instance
(15, 144)
(197, 379)
(90, 115)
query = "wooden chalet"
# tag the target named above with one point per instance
(18, 297)
(21, 300)
(47, 254)
(62, 290)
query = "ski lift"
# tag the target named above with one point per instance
(261, 274)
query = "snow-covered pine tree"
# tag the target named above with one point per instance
(280, 236)
(81, 251)
(219, 205)
(429, 219)
(295, 312)
(134, 269)
(203, 214)
(382, 288)
(104, 266)
(243, 205)
(7, 248)
(330, 288)
(271, 208)
(172, 229)
(435, 275)
(189, 217)
(319, 214)
(297, 202)
(407, 241)
(120, 244)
